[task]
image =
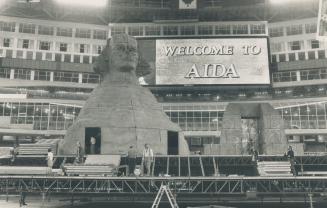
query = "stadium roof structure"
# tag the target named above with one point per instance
(160, 10)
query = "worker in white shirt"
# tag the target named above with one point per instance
(50, 158)
(147, 159)
(92, 146)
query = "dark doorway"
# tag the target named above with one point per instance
(92, 140)
(172, 143)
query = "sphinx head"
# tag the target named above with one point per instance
(123, 52)
(120, 54)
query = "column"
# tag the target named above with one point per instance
(73, 52)
(316, 54)
(12, 74)
(298, 76)
(306, 55)
(109, 32)
(80, 78)
(52, 49)
(196, 29)
(36, 30)
(51, 76)
(34, 49)
(15, 47)
(17, 27)
(32, 74)
(92, 34)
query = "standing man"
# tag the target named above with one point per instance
(290, 156)
(14, 153)
(79, 153)
(92, 146)
(131, 157)
(147, 159)
(255, 156)
(50, 158)
(22, 198)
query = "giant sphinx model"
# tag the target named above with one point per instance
(119, 112)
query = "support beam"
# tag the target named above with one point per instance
(154, 164)
(167, 171)
(189, 166)
(214, 166)
(201, 164)
(179, 166)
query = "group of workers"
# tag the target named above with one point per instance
(133, 169)
(147, 160)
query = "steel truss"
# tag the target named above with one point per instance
(151, 185)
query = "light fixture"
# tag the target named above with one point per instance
(2, 3)
(287, 1)
(28, 1)
(86, 3)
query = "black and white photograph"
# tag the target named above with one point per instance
(163, 103)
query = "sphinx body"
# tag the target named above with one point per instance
(120, 113)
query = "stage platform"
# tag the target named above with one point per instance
(190, 166)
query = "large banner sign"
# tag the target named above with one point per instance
(212, 61)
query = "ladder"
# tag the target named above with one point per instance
(165, 189)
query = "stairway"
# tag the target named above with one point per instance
(275, 168)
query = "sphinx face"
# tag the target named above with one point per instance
(124, 56)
